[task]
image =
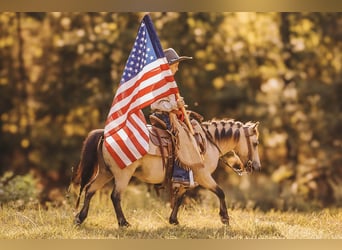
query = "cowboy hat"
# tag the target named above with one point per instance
(172, 56)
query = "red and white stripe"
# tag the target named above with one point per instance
(126, 135)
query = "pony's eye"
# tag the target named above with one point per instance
(256, 143)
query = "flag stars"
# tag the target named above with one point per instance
(142, 54)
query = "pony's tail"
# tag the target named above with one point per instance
(87, 168)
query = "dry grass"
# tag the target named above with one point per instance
(148, 216)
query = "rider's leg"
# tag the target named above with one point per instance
(179, 174)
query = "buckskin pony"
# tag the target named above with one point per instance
(97, 167)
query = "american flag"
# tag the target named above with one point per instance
(146, 78)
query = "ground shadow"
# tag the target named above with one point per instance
(185, 232)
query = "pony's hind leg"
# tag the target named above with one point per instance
(82, 215)
(102, 179)
(116, 199)
(121, 181)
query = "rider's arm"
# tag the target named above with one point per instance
(166, 104)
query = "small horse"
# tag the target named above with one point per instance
(97, 167)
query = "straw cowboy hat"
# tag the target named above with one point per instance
(172, 56)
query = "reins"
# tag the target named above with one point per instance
(249, 162)
(237, 171)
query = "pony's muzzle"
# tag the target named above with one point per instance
(253, 166)
(237, 167)
(256, 166)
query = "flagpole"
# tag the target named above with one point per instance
(186, 117)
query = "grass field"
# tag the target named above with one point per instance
(148, 216)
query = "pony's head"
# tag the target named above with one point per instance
(247, 146)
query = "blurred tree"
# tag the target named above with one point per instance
(59, 72)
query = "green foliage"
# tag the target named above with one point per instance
(19, 188)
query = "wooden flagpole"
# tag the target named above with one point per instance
(186, 117)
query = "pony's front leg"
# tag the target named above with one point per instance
(116, 199)
(223, 207)
(178, 196)
(82, 215)
(207, 181)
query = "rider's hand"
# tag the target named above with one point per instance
(181, 103)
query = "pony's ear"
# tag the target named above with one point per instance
(256, 125)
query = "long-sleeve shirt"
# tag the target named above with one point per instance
(166, 104)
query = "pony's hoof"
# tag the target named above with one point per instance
(124, 224)
(225, 221)
(77, 221)
(173, 222)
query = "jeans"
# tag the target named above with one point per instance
(180, 173)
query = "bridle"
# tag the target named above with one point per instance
(236, 170)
